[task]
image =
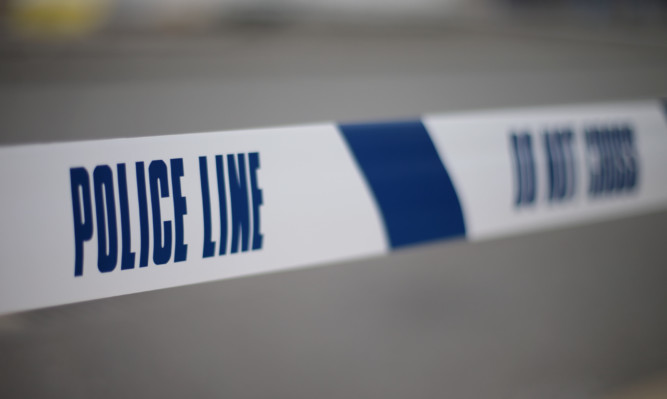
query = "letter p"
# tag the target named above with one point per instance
(83, 217)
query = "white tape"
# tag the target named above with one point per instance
(476, 149)
(82, 221)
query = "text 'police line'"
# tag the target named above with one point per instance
(233, 175)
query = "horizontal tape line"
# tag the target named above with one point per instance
(90, 220)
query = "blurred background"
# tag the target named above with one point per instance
(84, 17)
(570, 313)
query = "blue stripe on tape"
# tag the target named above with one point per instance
(409, 181)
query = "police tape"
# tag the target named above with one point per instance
(96, 219)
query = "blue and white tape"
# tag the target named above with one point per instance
(88, 220)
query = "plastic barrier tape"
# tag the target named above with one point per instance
(88, 220)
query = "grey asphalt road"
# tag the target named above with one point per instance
(569, 313)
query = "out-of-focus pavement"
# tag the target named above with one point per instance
(571, 313)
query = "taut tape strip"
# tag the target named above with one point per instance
(88, 220)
